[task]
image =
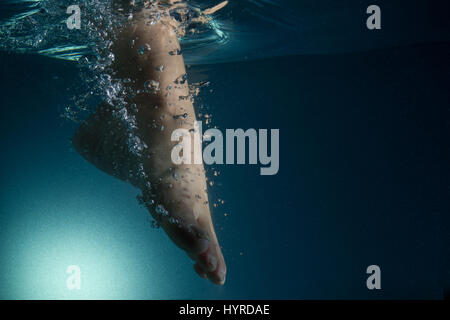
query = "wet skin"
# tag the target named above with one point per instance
(180, 189)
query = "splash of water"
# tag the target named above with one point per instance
(39, 26)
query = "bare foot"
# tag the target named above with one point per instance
(179, 201)
(176, 195)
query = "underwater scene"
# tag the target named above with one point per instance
(224, 150)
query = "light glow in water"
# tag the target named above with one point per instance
(52, 230)
(41, 260)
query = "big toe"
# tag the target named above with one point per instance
(212, 264)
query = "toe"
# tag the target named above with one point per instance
(213, 264)
(200, 271)
(218, 276)
(208, 261)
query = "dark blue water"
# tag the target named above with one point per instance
(363, 180)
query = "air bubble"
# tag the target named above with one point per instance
(175, 52)
(155, 224)
(144, 49)
(181, 79)
(180, 116)
(161, 210)
(173, 220)
(151, 86)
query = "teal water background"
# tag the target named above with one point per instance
(363, 180)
